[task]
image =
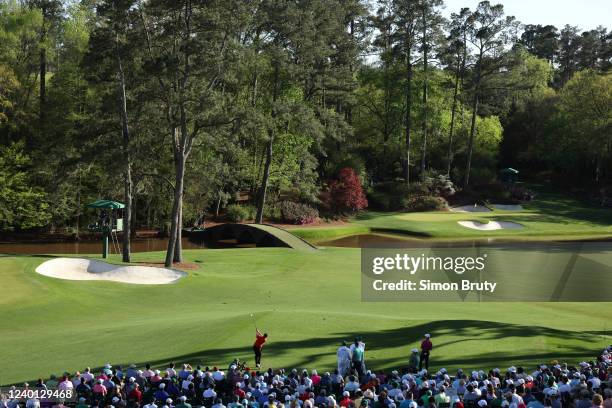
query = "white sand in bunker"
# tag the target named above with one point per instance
(470, 208)
(86, 269)
(489, 226)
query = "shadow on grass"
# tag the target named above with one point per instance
(408, 337)
(559, 206)
(369, 215)
(405, 232)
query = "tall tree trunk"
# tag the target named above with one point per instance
(348, 108)
(179, 160)
(425, 91)
(127, 222)
(382, 170)
(218, 206)
(475, 101)
(42, 71)
(468, 166)
(133, 213)
(127, 182)
(178, 244)
(407, 112)
(261, 199)
(78, 204)
(449, 159)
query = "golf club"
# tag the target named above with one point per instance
(254, 323)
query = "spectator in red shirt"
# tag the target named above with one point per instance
(135, 395)
(99, 390)
(260, 340)
(239, 392)
(315, 377)
(426, 347)
(346, 400)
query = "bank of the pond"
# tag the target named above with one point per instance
(89, 246)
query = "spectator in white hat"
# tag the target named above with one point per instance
(182, 402)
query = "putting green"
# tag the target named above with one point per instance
(552, 216)
(308, 301)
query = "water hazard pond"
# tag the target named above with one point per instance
(160, 244)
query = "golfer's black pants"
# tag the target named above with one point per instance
(257, 352)
(424, 360)
(360, 367)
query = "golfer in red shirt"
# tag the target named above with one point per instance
(426, 346)
(260, 340)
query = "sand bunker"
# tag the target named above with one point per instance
(85, 269)
(490, 226)
(508, 207)
(470, 208)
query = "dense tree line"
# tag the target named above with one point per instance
(183, 108)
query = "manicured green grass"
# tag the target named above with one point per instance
(551, 216)
(308, 301)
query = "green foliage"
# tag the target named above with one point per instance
(439, 184)
(8, 87)
(425, 203)
(393, 195)
(293, 73)
(239, 213)
(21, 206)
(585, 103)
(297, 213)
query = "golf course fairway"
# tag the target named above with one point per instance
(308, 302)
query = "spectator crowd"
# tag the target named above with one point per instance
(555, 385)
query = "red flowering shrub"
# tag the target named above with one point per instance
(345, 194)
(297, 213)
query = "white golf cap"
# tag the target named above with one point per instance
(427, 335)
